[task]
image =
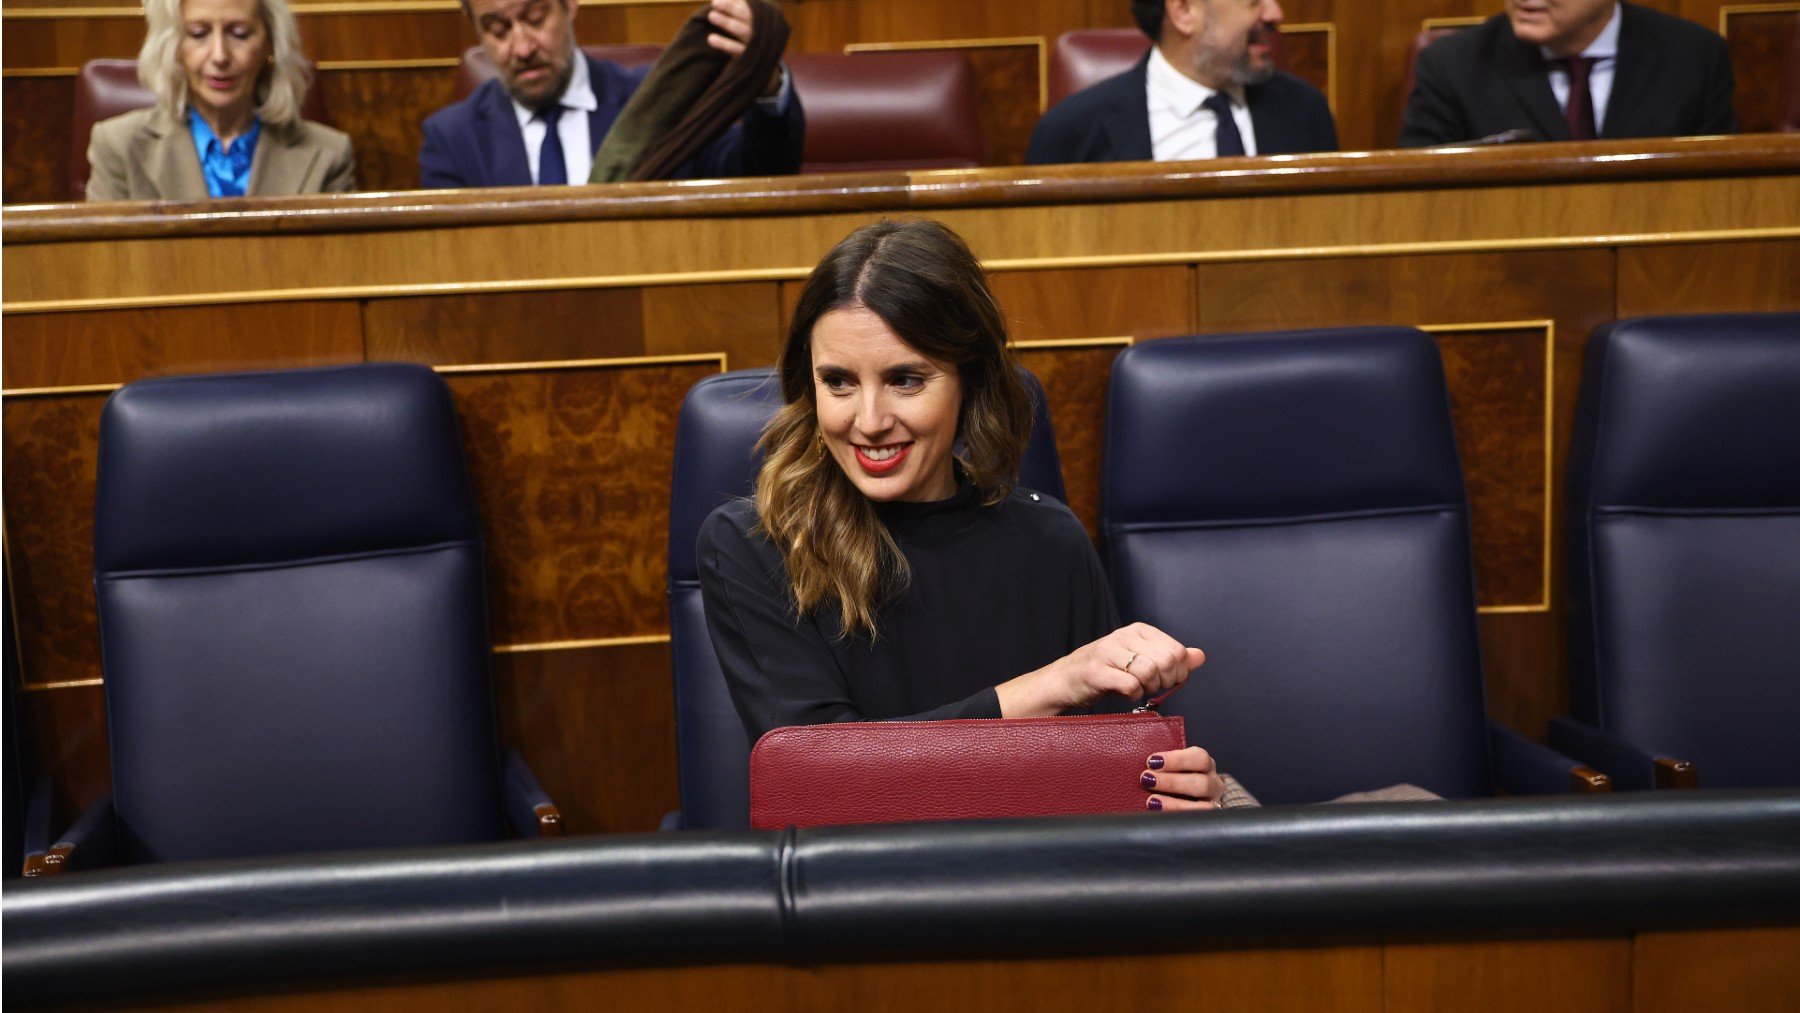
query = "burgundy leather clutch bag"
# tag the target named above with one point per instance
(883, 772)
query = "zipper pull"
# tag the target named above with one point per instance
(1149, 706)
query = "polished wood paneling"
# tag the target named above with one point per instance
(1500, 388)
(1507, 976)
(1344, 979)
(115, 346)
(598, 728)
(571, 470)
(1098, 302)
(1009, 80)
(1710, 278)
(1074, 382)
(35, 114)
(64, 739)
(51, 445)
(383, 111)
(1759, 43)
(594, 323)
(1742, 970)
(744, 321)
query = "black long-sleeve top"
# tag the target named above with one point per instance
(995, 592)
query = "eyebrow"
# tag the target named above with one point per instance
(918, 366)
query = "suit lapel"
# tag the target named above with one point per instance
(281, 164)
(1527, 76)
(1127, 124)
(166, 152)
(1634, 68)
(502, 142)
(1271, 127)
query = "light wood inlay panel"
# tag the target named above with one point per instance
(564, 254)
(571, 470)
(744, 321)
(597, 726)
(507, 327)
(1569, 976)
(1710, 278)
(1141, 302)
(116, 346)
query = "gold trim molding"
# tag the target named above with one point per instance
(1549, 329)
(799, 272)
(1726, 11)
(1331, 54)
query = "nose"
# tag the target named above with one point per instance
(873, 419)
(521, 45)
(216, 48)
(1272, 13)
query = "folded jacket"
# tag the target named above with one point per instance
(692, 95)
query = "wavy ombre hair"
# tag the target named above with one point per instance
(921, 279)
(280, 86)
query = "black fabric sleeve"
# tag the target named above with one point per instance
(1433, 112)
(781, 670)
(1719, 112)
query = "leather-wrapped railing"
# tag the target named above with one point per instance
(1089, 885)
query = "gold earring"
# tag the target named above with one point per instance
(818, 443)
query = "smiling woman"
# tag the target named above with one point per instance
(229, 78)
(889, 569)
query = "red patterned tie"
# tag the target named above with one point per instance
(1580, 110)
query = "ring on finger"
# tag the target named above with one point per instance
(1127, 666)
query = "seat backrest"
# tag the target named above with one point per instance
(107, 88)
(870, 111)
(288, 568)
(1684, 542)
(1087, 56)
(1293, 504)
(715, 460)
(475, 68)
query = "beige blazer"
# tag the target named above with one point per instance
(143, 155)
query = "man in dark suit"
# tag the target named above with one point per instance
(543, 117)
(1207, 88)
(1561, 70)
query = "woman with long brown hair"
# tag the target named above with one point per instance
(888, 567)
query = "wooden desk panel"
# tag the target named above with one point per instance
(1500, 252)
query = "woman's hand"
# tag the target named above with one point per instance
(1184, 779)
(1135, 661)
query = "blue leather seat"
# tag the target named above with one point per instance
(1293, 504)
(715, 460)
(1684, 550)
(293, 623)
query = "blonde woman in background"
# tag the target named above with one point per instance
(229, 78)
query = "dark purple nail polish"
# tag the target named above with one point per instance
(1156, 762)
(1148, 781)
(1154, 805)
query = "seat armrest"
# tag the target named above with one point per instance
(87, 844)
(528, 806)
(1525, 767)
(1633, 767)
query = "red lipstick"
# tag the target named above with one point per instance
(875, 467)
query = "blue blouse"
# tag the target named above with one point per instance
(227, 169)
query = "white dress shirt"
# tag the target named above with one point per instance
(1181, 127)
(1605, 52)
(578, 101)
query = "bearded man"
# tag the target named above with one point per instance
(1207, 88)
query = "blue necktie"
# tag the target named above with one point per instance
(551, 169)
(1230, 141)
